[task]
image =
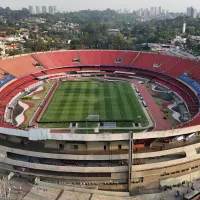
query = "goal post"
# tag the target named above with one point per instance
(91, 118)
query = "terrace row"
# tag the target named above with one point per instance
(21, 65)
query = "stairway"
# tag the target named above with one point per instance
(135, 58)
(173, 65)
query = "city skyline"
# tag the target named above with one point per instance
(51, 9)
(174, 6)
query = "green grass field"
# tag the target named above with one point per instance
(74, 101)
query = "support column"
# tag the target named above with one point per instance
(130, 161)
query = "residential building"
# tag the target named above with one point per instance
(192, 12)
(31, 10)
(54, 9)
(189, 11)
(37, 9)
(113, 31)
(152, 11)
(159, 10)
(51, 10)
(44, 9)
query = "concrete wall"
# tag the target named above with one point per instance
(45, 134)
(179, 179)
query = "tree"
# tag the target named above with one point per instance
(177, 43)
(189, 44)
(10, 31)
(13, 52)
(197, 50)
(116, 42)
(76, 44)
(190, 30)
(85, 39)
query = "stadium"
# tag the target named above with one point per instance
(112, 120)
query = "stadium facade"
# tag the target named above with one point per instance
(128, 161)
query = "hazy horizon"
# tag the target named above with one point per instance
(62, 5)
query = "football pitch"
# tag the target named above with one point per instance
(110, 101)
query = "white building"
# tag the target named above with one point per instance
(152, 11)
(184, 28)
(113, 31)
(37, 9)
(179, 39)
(54, 9)
(44, 9)
(192, 12)
(159, 10)
(31, 10)
(51, 10)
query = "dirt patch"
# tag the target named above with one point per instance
(17, 111)
(30, 105)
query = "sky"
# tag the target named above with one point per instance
(71, 5)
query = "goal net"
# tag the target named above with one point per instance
(93, 118)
